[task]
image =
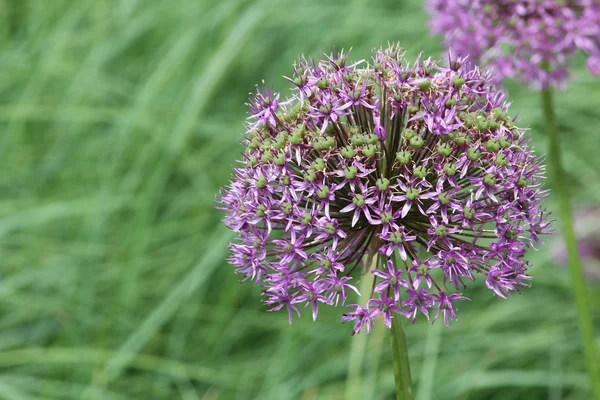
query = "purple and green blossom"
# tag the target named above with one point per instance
(413, 173)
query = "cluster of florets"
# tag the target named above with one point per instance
(412, 173)
(530, 40)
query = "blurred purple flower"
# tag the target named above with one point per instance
(417, 167)
(532, 41)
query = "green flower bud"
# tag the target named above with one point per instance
(318, 164)
(403, 157)
(330, 230)
(444, 198)
(252, 162)
(489, 180)
(468, 212)
(296, 138)
(310, 175)
(306, 219)
(323, 83)
(447, 137)
(372, 139)
(350, 172)
(396, 237)
(382, 183)
(449, 169)
(441, 231)
(408, 134)
(444, 149)
(522, 182)
(323, 192)
(416, 142)
(299, 81)
(501, 160)
(347, 152)
(412, 193)
(359, 200)
(492, 146)
(458, 81)
(460, 139)
(473, 154)
(286, 208)
(280, 159)
(386, 217)
(357, 139)
(369, 150)
(481, 124)
(425, 85)
(261, 182)
(267, 157)
(261, 210)
(300, 129)
(420, 171)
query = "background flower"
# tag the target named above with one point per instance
(529, 40)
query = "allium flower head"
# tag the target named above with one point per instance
(530, 40)
(412, 173)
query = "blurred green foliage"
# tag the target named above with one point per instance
(119, 121)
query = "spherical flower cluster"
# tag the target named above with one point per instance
(530, 40)
(412, 173)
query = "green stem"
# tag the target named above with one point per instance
(401, 363)
(585, 321)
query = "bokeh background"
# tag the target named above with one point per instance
(120, 120)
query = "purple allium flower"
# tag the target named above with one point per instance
(412, 173)
(530, 40)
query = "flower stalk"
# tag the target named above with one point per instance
(585, 322)
(401, 361)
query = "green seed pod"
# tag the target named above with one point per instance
(468, 213)
(492, 145)
(473, 154)
(425, 85)
(417, 142)
(359, 200)
(489, 180)
(403, 157)
(458, 81)
(408, 134)
(420, 171)
(318, 164)
(412, 193)
(261, 182)
(323, 192)
(350, 172)
(444, 149)
(501, 160)
(369, 150)
(382, 183)
(449, 169)
(347, 152)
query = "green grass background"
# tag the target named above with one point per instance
(120, 120)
